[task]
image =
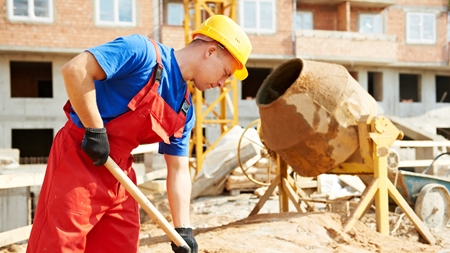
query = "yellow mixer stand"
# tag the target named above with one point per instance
(376, 136)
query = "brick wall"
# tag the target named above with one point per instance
(343, 16)
(281, 42)
(73, 26)
(328, 45)
(396, 20)
(325, 16)
(333, 18)
(173, 36)
(422, 2)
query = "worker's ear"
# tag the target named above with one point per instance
(210, 50)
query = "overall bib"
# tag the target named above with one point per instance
(82, 207)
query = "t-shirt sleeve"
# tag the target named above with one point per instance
(122, 56)
(180, 146)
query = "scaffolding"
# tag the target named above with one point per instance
(223, 111)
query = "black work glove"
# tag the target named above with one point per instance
(95, 144)
(188, 236)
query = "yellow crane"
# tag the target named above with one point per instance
(223, 111)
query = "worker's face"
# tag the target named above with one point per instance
(217, 67)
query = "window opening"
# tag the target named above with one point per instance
(444, 132)
(34, 144)
(31, 79)
(442, 89)
(375, 85)
(251, 84)
(409, 88)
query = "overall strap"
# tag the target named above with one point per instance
(183, 112)
(153, 82)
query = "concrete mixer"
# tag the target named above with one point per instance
(309, 114)
(317, 119)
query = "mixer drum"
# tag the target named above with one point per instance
(309, 112)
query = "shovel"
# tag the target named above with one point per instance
(145, 203)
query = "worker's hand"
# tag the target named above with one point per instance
(188, 236)
(95, 144)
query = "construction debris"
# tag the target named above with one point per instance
(9, 158)
(259, 169)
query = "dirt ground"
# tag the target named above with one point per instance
(222, 225)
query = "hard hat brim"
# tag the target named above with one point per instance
(241, 74)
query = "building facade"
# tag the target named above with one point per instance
(396, 49)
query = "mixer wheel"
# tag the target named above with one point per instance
(393, 159)
(265, 154)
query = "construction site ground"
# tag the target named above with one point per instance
(222, 225)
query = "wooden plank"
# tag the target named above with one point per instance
(29, 179)
(366, 199)
(161, 173)
(15, 235)
(21, 180)
(421, 144)
(14, 208)
(155, 185)
(303, 194)
(353, 181)
(292, 195)
(241, 185)
(147, 148)
(215, 189)
(411, 131)
(422, 163)
(265, 197)
(306, 183)
(14, 153)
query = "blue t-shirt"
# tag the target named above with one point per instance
(128, 63)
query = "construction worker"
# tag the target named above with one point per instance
(124, 93)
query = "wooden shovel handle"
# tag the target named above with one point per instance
(145, 203)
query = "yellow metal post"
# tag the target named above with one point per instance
(224, 110)
(381, 196)
(382, 133)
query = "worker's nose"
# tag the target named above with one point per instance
(221, 82)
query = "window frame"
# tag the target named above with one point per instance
(373, 16)
(302, 13)
(116, 21)
(31, 17)
(258, 29)
(421, 40)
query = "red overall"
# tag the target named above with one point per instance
(82, 207)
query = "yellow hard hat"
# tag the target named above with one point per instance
(225, 31)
